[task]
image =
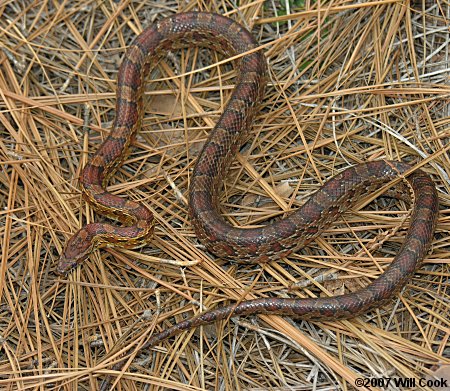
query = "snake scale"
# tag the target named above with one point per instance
(267, 243)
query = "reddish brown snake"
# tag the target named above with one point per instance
(271, 242)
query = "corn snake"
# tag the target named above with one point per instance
(268, 243)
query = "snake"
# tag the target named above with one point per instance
(279, 237)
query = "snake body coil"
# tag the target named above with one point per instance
(254, 245)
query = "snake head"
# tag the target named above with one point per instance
(76, 251)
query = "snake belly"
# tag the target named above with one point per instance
(267, 243)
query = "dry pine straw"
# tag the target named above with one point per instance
(349, 83)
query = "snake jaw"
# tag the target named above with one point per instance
(65, 265)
